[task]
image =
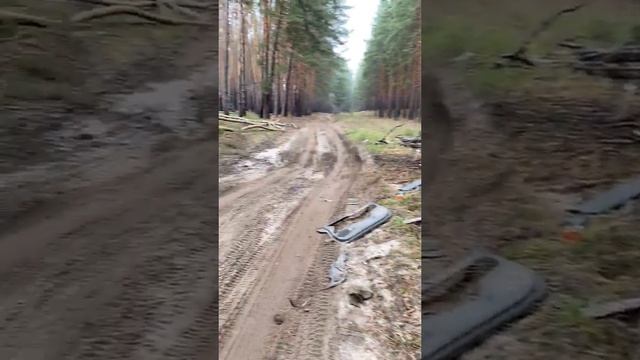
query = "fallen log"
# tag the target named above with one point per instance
(260, 126)
(520, 55)
(383, 140)
(172, 5)
(238, 121)
(225, 128)
(150, 3)
(134, 11)
(26, 20)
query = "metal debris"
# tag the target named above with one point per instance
(412, 142)
(278, 319)
(412, 186)
(599, 311)
(377, 215)
(357, 298)
(337, 272)
(417, 220)
(610, 199)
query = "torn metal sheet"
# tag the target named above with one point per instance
(612, 308)
(505, 292)
(376, 215)
(337, 272)
(610, 199)
(417, 220)
(412, 186)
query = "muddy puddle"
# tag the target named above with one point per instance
(260, 163)
(167, 105)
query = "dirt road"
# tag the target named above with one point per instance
(270, 251)
(123, 270)
(107, 249)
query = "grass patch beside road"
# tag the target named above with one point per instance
(365, 128)
(475, 34)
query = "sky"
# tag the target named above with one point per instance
(361, 16)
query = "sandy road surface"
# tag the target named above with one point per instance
(270, 251)
(108, 250)
(124, 270)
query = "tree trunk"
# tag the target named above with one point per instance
(227, 37)
(266, 98)
(274, 50)
(288, 85)
(242, 108)
(276, 96)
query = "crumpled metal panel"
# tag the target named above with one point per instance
(337, 272)
(412, 186)
(376, 216)
(610, 199)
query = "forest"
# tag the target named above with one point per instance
(281, 58)
(388, 80)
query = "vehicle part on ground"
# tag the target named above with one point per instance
(356, 298)
(412, 142)
(417, 221)
(338, 271)
(598, 311)
(611, 199)
(409, 187)
(430, 248)
(505, 291)
(376, 215)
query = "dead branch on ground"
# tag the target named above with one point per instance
(255, 124)
(520, 55)
(383, 140)
(130, 10)
(151, 3)
(26, 20)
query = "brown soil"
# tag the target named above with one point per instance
(270, 251)
(510, 169)
(106, 218)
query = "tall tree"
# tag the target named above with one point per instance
(242, 104)
(387, 82)
(227, 94)
(286, 60)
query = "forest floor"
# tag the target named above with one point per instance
(107, 190)
(527, 144)
(276, 191)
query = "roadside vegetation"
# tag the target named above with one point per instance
(556, 135)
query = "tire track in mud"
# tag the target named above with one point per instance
(129, 278)
(293, 261)
(248, 238)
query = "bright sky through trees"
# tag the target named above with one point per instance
(361, 14)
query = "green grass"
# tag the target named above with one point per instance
(403, 208)
(366, 129)
(488, 29)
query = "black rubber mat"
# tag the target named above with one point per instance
(610, 199)
(506, 292)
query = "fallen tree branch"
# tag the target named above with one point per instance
(150, 3)
(26, 20)
(383, 140)
(520, 55)
(172, 5)
(239, 121)
(618, 141)
(225, 128)
(130, 10)
(260, 126)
